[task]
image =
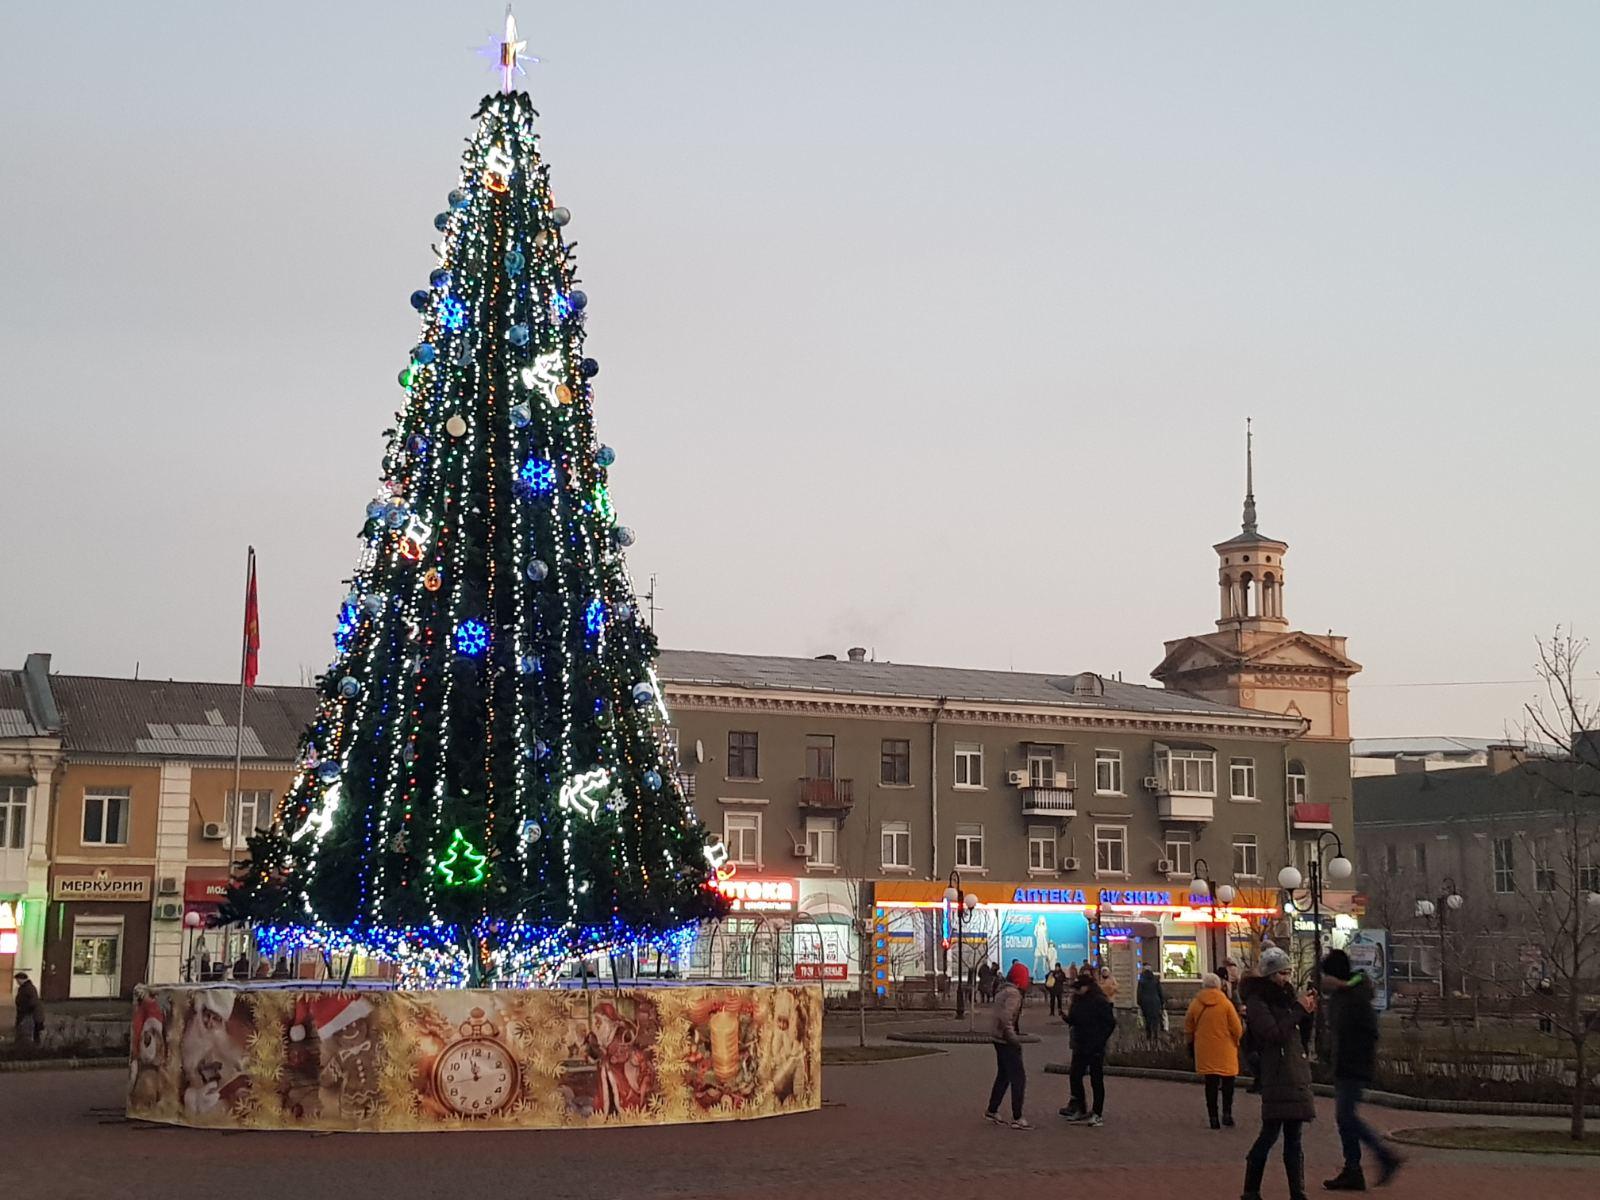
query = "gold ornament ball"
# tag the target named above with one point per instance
(456, 425)
(563, 394)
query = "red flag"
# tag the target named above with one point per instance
(252, 625)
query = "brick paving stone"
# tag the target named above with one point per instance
(910, 1129)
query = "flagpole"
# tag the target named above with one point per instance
(231, 811)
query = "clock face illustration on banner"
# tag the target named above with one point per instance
(476, 1075)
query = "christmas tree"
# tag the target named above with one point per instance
(487, 790)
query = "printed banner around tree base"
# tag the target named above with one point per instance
(292, 1057)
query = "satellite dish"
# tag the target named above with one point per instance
(699, 751)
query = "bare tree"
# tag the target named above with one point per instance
(1563, 905)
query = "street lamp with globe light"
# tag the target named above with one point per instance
(962, 904)
(1202, 885)
(1290, 879)
(1449, 900)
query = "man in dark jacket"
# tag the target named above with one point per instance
(1092, 1020)
(1355, 1051)
(30, 1013)
(1151, 1001)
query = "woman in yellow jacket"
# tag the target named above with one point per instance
(1213, 1028)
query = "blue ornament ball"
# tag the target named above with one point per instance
(440, 278)
(517, 335)
(417, 444)
(419, 299)
(395, 516)
(424, 353)
(537, 571)
(521, 416)
(605, 456)
(561, 216)
(375, 510)
(527, 664)
(372, 605)
(643, 693)
(652, 780)
(624, 611)
(589, 368)
(349, 687)
(623, 534)
(515, 262)
(442, 222)
(540, 750)
(457, 198)
(578, 300)
(328, 771)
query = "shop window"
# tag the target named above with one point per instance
(1242, 778)
(1110, 850)
(13, 816)
(896, 840)
(1108, 772)
(253, 813)
(743, 756)
(1246, 863)
(969, 765)
(969, 845)
(1041, 848)
(96, 959)
(741, 834)
(1179, 959)
(895, 762)
(105, 817)
(822, 842)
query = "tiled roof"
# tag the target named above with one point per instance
(758, 671)
(179, 720)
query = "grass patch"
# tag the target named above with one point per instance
(1499, 1138)
(833, 1056)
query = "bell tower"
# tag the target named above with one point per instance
(1250, 564)
(1254, 660)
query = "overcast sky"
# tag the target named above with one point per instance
(930, 327)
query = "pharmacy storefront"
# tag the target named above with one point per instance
(1175, 933)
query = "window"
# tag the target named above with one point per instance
(822, 842)
(896, 761)
(1180, 853)
(1108, 772)
(254, 811)
(1299, 788)
(1505, 866)
(1391, 859)
(1110, 850)
(1589, 876)
(13, 817)
(1419, 857)
(1242, 778)
(1188, 772)
(896, 839)
(969, 765)
(1041, 848)
(743, 762)
(741, 835)
(1544, 876)
(969, 845)
(1246, 864)
(105, 817)
(819, 756)
(1041, 766)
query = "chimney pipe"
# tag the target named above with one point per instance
(1503, 756)
(857, 653)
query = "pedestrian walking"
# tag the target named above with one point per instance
(1355, 1052)
(1213, 1028)
(1152, 1002)
(1019, 977)
(1092, 1020)
(1278, 1019)
(30, 1012)
(1008, 1069)
(1056, 985)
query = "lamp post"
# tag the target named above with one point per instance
(962, 903)
(1203, 885)
(1289, 879)
(1440, 908)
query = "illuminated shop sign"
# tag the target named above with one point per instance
(1136, 899)
(1027, 895)
(758, 895)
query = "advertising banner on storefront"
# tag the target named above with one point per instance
(366, 1059)
(1369, 953)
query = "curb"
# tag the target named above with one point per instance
(1481, 1108)
(62, 1064)
(886, 1062)
(954, 1037)
(1408, 1137)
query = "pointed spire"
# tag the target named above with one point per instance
(1249, 480)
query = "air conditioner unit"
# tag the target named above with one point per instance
(1063, 779)
(1069, 864)
(1017, 778)
(801, 850)
(167, 885)
(169, 910)
(1163, 866)
(1152, 783)
(212, 831)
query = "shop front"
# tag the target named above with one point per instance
(97, 934)
(780, 929)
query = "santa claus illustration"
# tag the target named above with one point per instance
(623, 1078)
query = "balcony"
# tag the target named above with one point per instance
(1312, 816)
(827, 795)
(1047, 802)
(1173, 807)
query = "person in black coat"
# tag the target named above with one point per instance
(1151, 1001)
(1278, 1021)
(1092, 1020)
(30, 1012)
(1355, 1054)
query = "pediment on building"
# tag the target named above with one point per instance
(1297, 652)
(1196, 654)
